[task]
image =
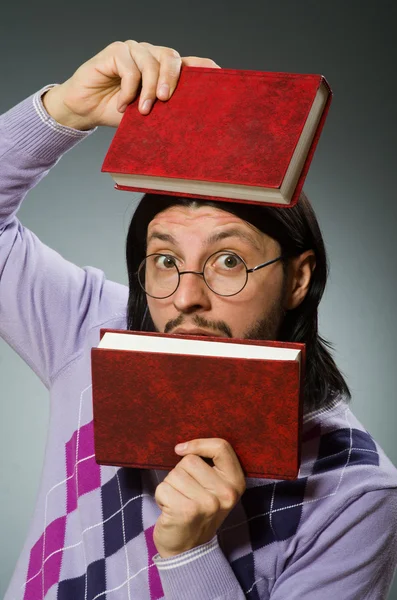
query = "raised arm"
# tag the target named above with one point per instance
(32, 276)
(46, 303)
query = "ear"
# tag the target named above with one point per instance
(300, 270)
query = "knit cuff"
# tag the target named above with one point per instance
(201, 573)
(29, 126)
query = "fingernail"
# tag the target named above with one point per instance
(146, 106)
(122, 107)
(181, 447)
(164, 91)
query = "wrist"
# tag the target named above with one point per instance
(56, 108)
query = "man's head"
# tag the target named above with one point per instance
(193, 233)
(279, 301)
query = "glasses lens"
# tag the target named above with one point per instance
(225, 273)
(158, 275)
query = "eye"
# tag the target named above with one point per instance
(165, 262)
(227, 262)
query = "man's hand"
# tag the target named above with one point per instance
(195, 497)
(99, 91)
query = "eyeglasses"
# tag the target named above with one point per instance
(225, 273)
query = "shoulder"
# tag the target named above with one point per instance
(334, 441)
(342, 465)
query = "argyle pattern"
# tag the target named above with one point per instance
(269, 511)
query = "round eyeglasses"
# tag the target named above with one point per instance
(225, 273)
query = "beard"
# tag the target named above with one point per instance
(268, 327)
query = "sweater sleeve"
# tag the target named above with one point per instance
(46, 302)
(202, 573)
(353, 557)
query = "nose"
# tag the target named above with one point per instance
(192, 294)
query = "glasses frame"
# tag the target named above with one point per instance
(247, 271)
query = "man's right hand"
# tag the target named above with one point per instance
(99, 91)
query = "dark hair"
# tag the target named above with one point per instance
(297, 230)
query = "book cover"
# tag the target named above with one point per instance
(222, 126)
(146, 402)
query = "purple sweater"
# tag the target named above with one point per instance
(332, 533)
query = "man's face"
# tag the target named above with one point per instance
(255, 312)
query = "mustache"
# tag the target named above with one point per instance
(217, 326)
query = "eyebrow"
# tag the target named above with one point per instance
(212, 239)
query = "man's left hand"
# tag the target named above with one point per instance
(195, 497)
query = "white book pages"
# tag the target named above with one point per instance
(143, 343)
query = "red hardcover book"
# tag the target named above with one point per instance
(170, 390)
(225, 134)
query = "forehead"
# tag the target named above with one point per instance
(200, 220)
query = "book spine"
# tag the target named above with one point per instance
(312, 149)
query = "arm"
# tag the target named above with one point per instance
(195, 498)
(32, 276)
(46, 303)
(199, 574)
(352, 558)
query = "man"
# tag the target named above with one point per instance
(199, 532)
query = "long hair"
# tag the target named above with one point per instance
(297, 230)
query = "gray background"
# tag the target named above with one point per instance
(351, 184)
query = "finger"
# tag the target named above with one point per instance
(192, 467)
(190, 498)
(170, 68)
(169, 498)
(222, 454)
(149, 68)
(185, 482)
(196, 61)
(119, 64)
(130, 77)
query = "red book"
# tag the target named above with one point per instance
(170, 389)
(225, 134)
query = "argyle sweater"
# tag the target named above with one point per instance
(332, 533)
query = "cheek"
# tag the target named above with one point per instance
(240, 311)
(159, 311)
(268, 288)
(256, 300)
(257, 296)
